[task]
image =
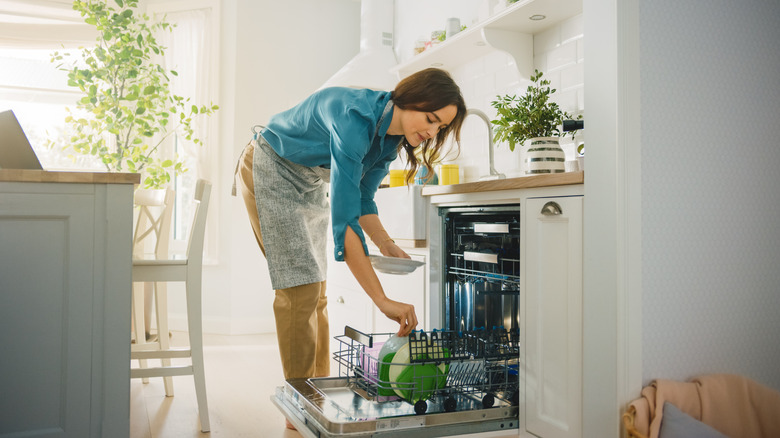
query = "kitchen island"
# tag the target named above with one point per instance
(65, 283)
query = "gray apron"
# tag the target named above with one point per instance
(292, 206)
(294, 212)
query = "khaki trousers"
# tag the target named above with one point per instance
(301, 312)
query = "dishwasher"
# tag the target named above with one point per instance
(456, 382)
(463, 379)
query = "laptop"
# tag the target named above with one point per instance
(15, 150)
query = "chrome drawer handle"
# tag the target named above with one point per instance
(551, 209)
(471, 256)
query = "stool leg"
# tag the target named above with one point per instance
(161, 304)
(195, 325)
(138, 321)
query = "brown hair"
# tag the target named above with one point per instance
(426, 91)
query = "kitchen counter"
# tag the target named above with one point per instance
(525, 182)
(65, 277)
(27, 175)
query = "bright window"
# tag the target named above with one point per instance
(31, 86)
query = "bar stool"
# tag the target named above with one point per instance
(150, 240)
(187, 268)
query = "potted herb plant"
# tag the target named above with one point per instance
(127, 109)
(533, 120)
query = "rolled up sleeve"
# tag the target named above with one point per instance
(346, 189)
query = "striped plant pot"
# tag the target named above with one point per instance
(544, 155)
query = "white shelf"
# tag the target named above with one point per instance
(511, 31)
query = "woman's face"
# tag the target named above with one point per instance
(418, 126)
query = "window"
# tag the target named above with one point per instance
(192, 48)
(30, 85)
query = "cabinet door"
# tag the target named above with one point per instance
(347, 307)
(553, 316)
(347, 303)
(410, 289)
(64, 309)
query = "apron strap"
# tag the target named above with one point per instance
(255, 134)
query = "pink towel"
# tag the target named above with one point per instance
(734, 405)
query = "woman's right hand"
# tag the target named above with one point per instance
(401, 313)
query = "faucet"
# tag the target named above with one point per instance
(493, 173)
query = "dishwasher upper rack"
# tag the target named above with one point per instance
(481, 367)
(502, 270)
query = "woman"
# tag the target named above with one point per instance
(347, 137)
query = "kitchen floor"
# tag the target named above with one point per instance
(241, 374)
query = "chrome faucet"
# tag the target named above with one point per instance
(493, 173)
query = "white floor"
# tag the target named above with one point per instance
(241, 374)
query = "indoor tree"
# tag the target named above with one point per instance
(127, 109)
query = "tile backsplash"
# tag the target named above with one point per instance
(558, 52)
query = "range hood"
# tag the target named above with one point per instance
(370, 68)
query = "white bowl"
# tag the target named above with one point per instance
(394, 265)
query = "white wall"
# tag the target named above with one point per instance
(710, 101)
(276, 53)
(273, 54)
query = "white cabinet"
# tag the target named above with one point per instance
(550, 297)
(348, 303)
(409, 288)
(552, 263)
(65, 266)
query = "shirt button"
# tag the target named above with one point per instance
(340, 253)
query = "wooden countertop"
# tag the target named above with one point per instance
(525, 182)
(27, 175)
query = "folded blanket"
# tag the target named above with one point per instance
(734, 405)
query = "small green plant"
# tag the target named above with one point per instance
(529, 116)
(127, 104)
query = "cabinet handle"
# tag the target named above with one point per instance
(340, 300)
(551, 209)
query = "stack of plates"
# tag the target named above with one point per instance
(414, 382)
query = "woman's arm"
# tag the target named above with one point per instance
(361, 268)
(372, 227)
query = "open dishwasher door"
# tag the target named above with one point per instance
(460, 383)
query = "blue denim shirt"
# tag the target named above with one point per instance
(338, 128)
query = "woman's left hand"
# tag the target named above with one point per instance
(390, 249)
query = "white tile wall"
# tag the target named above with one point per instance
(557, 53)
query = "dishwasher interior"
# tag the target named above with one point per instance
(481, 275)
(456, 382)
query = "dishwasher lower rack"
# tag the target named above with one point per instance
(479, 393)
(453, 371)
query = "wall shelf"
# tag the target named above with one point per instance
(510, 31)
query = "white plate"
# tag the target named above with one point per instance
(394, 265)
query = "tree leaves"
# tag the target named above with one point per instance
(126, 95)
